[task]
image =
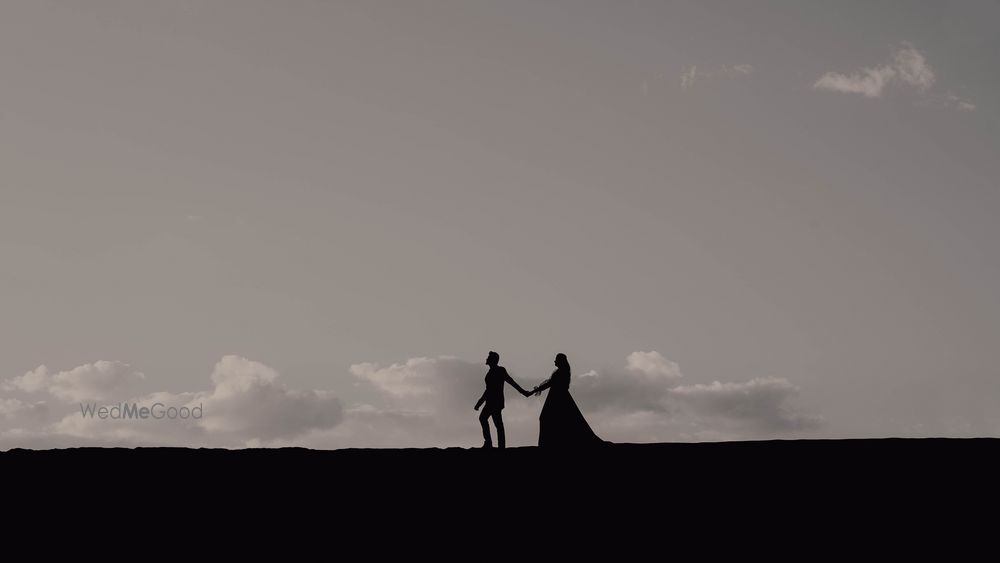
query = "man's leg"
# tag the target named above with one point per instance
(498, 421)
(484, 418)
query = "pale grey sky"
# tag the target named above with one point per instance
(312, 202)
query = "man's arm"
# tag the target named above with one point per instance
(480, 402)
(510, 380)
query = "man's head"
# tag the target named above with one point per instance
(492, 358)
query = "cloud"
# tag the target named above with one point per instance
(763, 402)
(15, 409)
(247, 404)
(954, 101)
(90, 382)
(688, 77)
(652, 364)
(869, 81)
(426, 401)
(645, 400)
(421, 402)
(414, 377)
(912, 67)
(694, 74)
(908, 67)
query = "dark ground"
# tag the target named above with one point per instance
(651, 492)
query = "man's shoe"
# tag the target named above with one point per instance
(487, 445)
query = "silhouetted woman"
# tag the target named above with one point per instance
(561, 423)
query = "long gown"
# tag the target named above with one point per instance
(561, 424)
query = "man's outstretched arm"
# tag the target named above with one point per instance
(516, 386)
(480, 402)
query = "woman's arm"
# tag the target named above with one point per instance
(545, 385)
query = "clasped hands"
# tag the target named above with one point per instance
(535, 391)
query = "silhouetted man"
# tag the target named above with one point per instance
(493, 397)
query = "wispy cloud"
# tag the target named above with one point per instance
(694, 74)
(952, 100)
(908, 67)
(869, 82)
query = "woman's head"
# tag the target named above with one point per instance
(561, 361)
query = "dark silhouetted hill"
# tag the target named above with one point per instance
(649, 490)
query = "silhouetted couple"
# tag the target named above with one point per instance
(561, 424)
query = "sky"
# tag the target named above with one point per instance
(739, 220)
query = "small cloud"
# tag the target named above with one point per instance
(869, 82)
(908, 68)
(693, 74)
(688, 77)
(912, 67)
(949, 100)
(952, 100)
(652, 364)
